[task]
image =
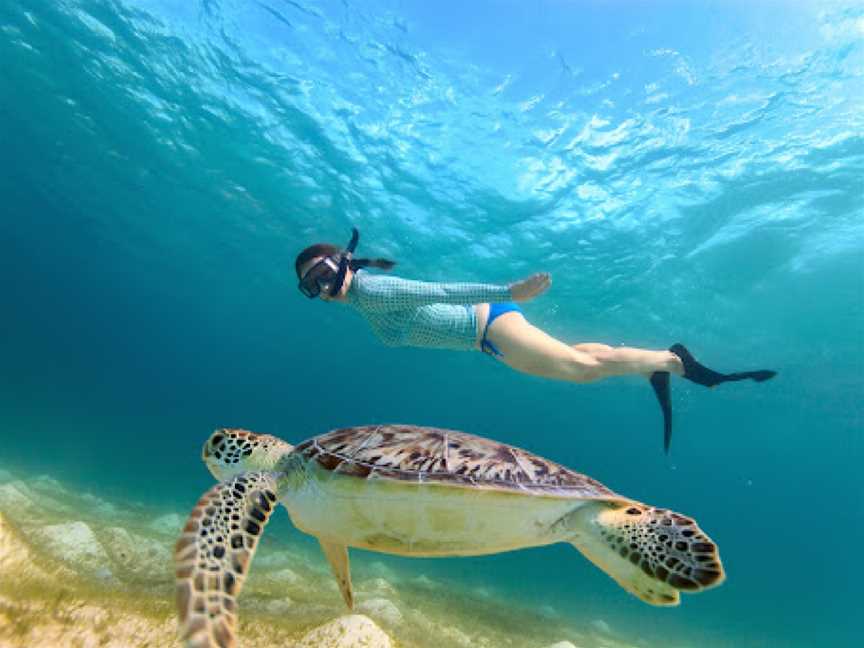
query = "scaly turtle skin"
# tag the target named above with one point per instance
(417, 491)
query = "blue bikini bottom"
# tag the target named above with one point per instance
(495, 311)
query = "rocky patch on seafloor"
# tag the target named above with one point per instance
(77, 570)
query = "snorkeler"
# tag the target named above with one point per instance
(467, 316)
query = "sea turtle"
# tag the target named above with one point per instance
(416, 491)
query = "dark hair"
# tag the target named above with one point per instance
(328, 249)
(319, 249)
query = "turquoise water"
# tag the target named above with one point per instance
(686, 171)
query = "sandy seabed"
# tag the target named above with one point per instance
(78, 571)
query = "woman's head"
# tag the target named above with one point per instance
(314, 253)
(318, 269)
(321, 266)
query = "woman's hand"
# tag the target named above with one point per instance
(529, 288)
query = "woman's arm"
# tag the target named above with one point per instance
(394, 293)
(383, 293)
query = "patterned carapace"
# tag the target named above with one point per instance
(434, 455)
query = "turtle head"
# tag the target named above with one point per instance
(229, 452)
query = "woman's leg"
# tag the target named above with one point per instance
(528, 349)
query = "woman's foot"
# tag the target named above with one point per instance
(684, 364)
(660, 383)
(675, 365)
(702, 375)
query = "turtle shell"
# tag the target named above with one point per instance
(432, 455)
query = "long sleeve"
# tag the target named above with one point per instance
(387, 293)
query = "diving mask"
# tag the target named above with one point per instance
(328, 274)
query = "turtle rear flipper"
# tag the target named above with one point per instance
(336, 554)
(652, 553)
(213, 555)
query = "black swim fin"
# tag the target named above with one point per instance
(660, 383)
(702, 375)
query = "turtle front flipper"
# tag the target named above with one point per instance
(213, 555)
(652, 553)
(337, 556)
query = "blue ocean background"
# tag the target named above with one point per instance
(687, 171)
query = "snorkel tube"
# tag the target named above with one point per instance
(344, 262)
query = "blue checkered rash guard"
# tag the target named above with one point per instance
(403, 312)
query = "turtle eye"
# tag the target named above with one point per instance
(216, 439)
